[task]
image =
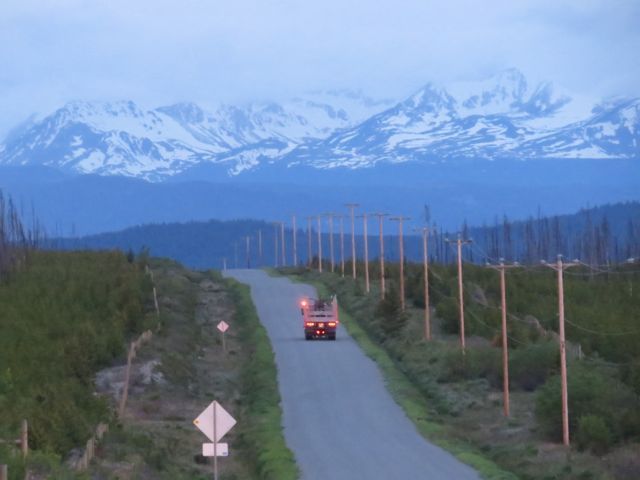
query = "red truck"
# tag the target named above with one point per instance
(319, 318)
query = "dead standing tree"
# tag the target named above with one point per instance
(16, 242)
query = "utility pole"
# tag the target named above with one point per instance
(260, 259)
(309, 248)
(351, 207)
(319, 217)
(284, 252)
(295, 241)
(459, 243)
(366, 251)
(341, 217)
(331, 256)
(235, 254)
(380, 222)
(425, 262)
(400, 220)
(505, 344)
(224, 264)
(248, 253)
(275, 243)
(560, 268)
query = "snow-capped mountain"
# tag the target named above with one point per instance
(496, 118)
(120, 138)
(500, 117)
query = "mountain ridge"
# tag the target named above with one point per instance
(496, 118)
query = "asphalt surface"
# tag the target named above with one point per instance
(339, 419)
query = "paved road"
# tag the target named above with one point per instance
(339, 420)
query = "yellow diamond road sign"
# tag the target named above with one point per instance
(214, 413)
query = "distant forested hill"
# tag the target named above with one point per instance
(598, 235)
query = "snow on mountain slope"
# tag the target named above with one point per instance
(612, 131)
(120, 138)
(498, 117)
(502, 93)
(495, 118)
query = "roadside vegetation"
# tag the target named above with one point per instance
(65, 324)
(156, 439)
(63, 317)
(464, 393)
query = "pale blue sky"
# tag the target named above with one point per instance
(160, 51)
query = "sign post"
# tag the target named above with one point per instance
(215, 422)
(223, 327)
(215, 442)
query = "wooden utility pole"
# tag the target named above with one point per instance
(366, 251)
(400, 220)
(341, 217)
(235, 254)
(295, 241)
(275, 244)
(560, 268)
(309, 244)
(459, 243)
(260, 259)
(319, 217)
(425, 262)
(248, 252)
(351, 207)
(505, 343)
(331, 256)
(282, 243)
(380, 222)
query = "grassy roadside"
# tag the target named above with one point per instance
(412, 401)
(263, 436)
(156, 438)
(174, 376)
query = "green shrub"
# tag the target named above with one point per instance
(476, 363)
(447, 309)
(631, 375)
(531, 366)
(631, 424)
(590, 392)
(593, 434)
(389, 316)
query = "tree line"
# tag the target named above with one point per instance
(599, 236)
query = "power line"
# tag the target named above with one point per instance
(594, 332)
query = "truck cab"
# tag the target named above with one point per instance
(319, 318)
